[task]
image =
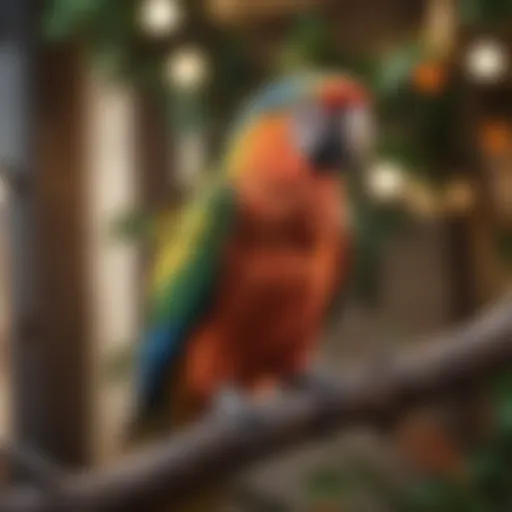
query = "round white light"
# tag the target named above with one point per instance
(386, 181)
(187, 68)
(160, 18)
(487, 61)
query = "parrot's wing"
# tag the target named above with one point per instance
(181, 290)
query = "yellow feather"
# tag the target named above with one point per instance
(178, 234)
(173, 254)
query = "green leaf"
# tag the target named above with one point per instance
(505, 416)
(491, 475)
(324, 483)
(484, 12)
(309, 35)
(470, 10)
(442, 496)
(501, 387)
(63, 18)
(374, 481)
(396, 68)
(501, 401)
(111, 35)
(309, 43)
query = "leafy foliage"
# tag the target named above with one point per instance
(486, 12)
(484, 486)
(108, 27)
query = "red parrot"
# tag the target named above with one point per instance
(243, 283)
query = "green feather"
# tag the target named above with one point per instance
(183, 289)
(180, 296)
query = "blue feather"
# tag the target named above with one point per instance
(161, 346)
(179, 304)
(272, 97)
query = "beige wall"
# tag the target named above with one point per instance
(113, 267)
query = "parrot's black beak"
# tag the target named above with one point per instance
(330, 153)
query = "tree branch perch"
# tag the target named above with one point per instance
(216, 448)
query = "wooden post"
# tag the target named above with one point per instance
(61, 252)
(39, 146)
(155, 154)
(17, 151)
(42, 161)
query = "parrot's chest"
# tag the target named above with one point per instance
(271, 274)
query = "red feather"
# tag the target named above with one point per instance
(280, 271)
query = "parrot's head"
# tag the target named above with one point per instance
(331, 129)
(315, 124)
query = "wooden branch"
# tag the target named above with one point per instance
(217, 448)
(35, 466)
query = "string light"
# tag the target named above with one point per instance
(159, 18)
(487, 61)
(187, 68)
(386, 181)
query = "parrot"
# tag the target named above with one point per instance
(244, 276)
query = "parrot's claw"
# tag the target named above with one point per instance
(234, 406)
(229, 403)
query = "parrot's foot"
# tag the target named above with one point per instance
(230, 403)
(237, 407)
